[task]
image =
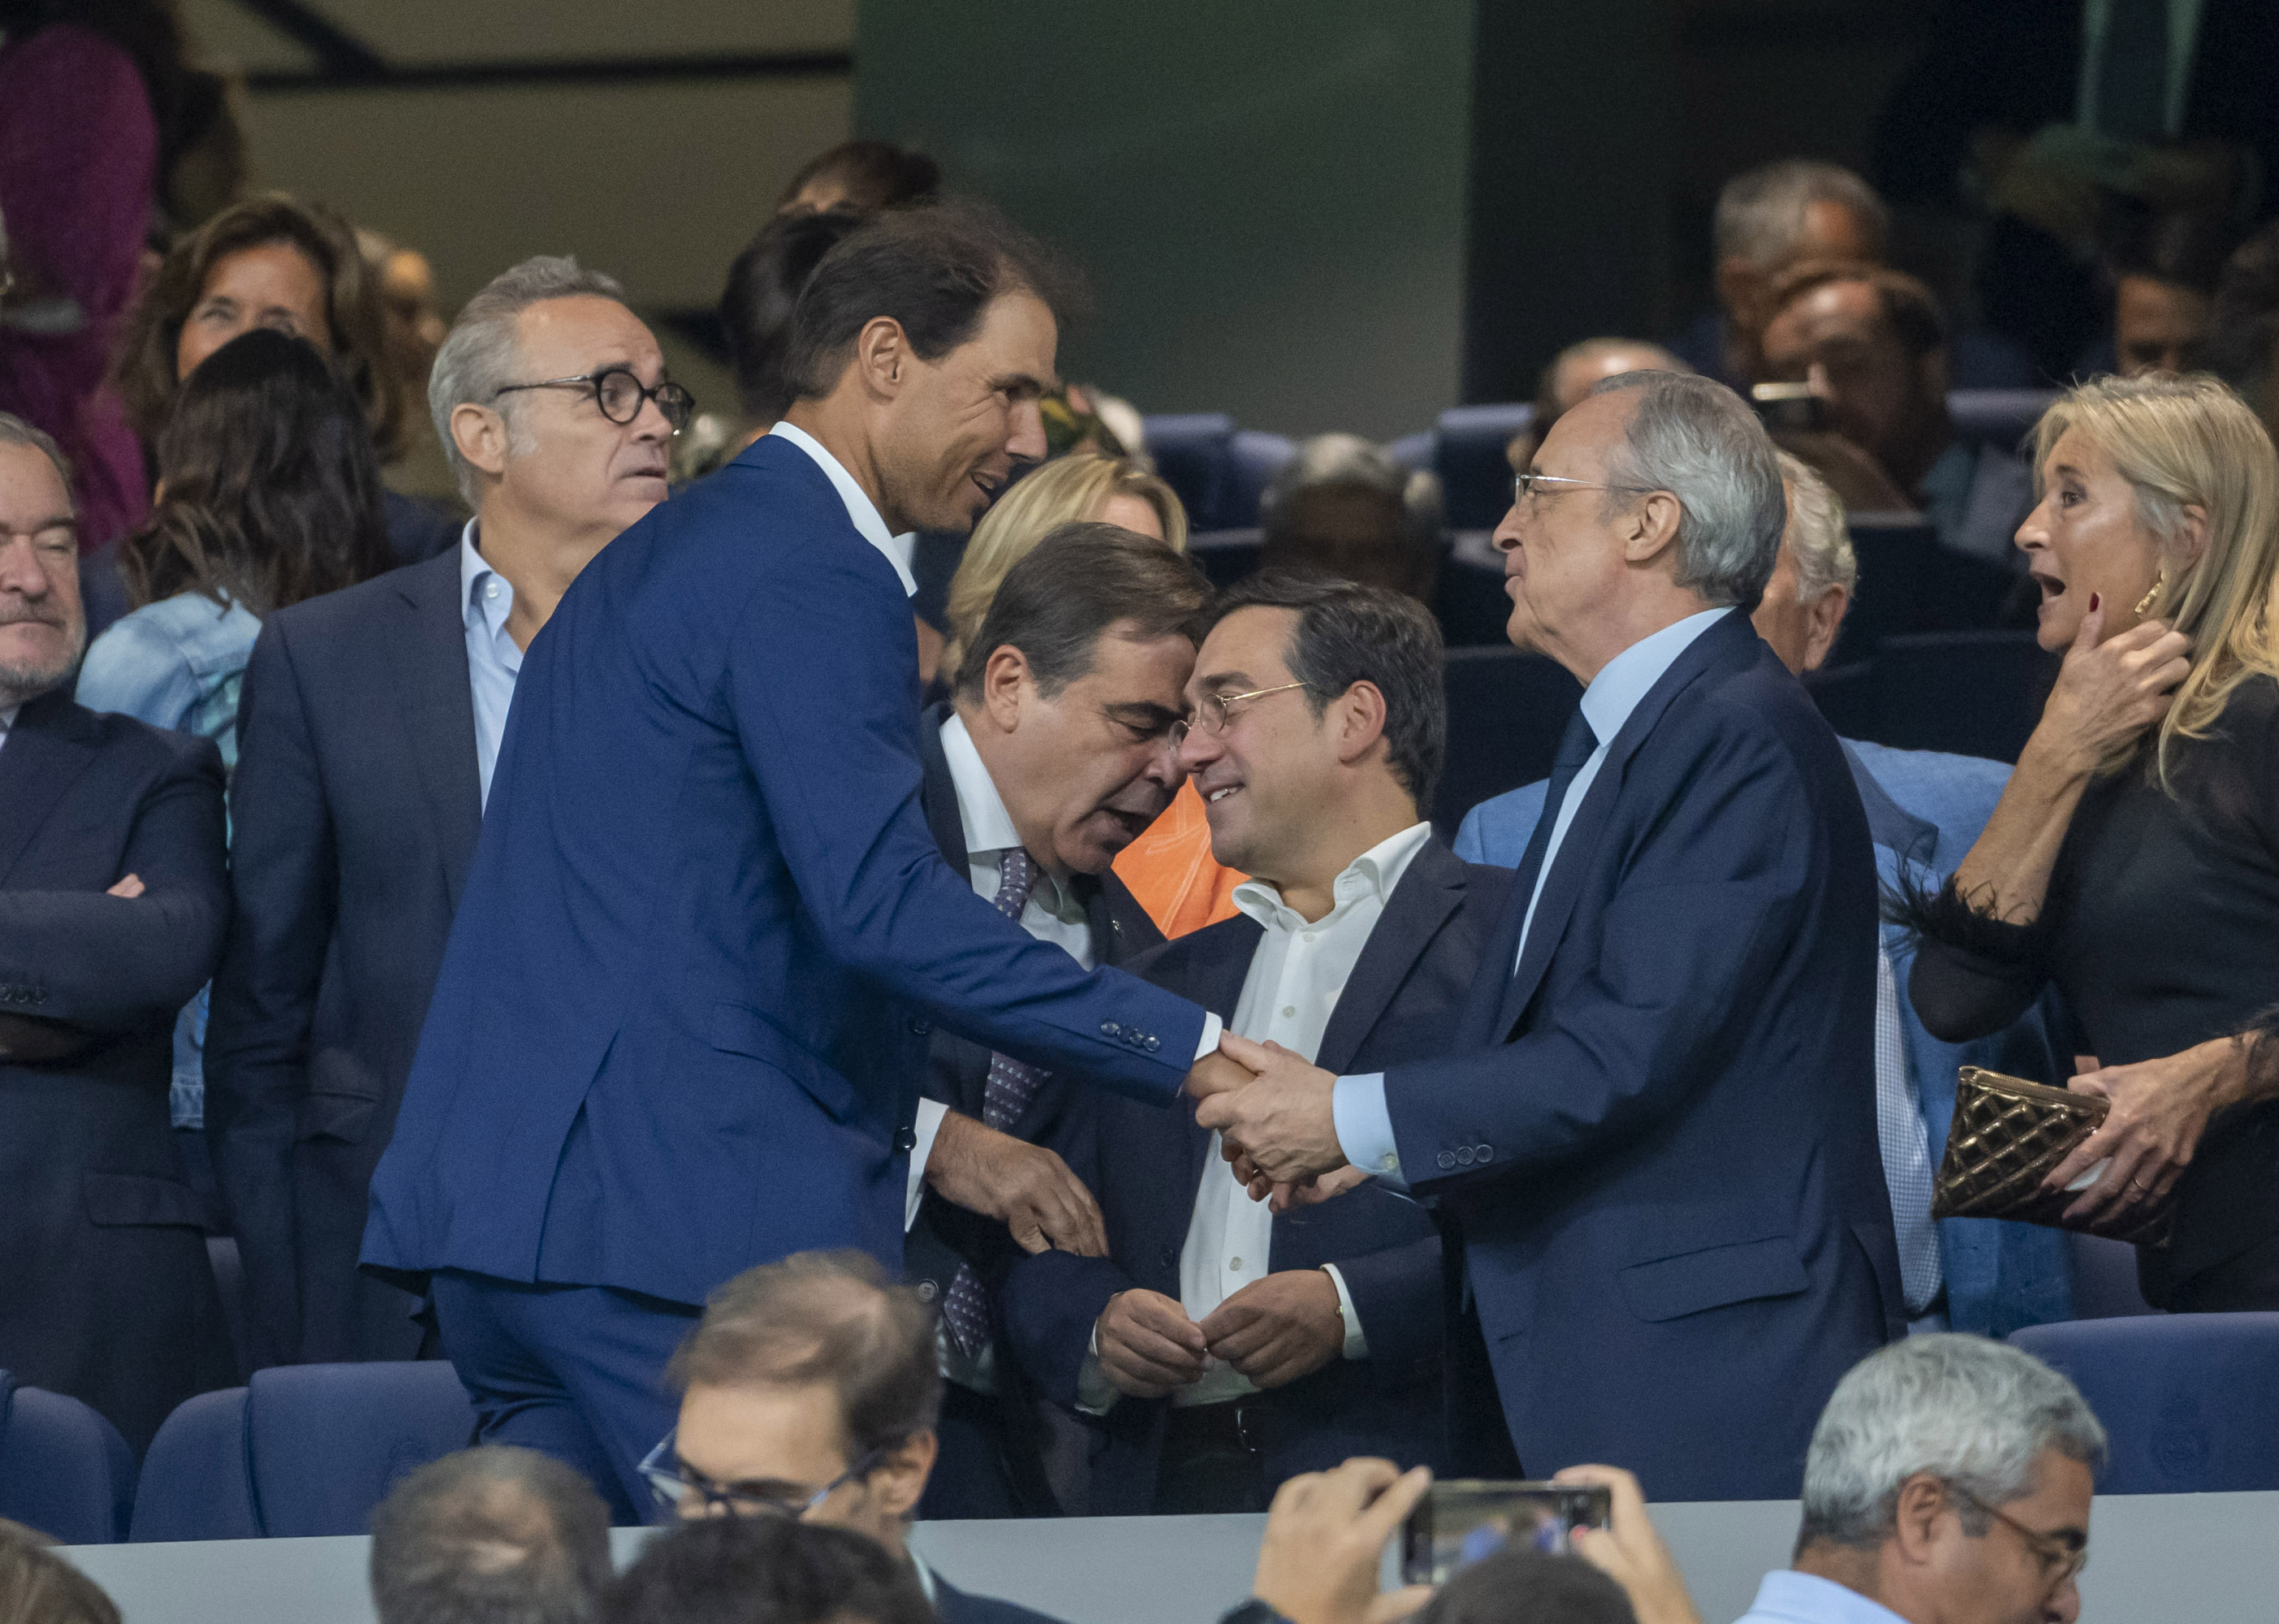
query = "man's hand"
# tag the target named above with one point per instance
(1148, 1347)
(1023, 1186)
(1314, 1191)
(1325, 1538)
(1276, 1329)
(1280, 1127)
(1216, 1074)
(1631, 1551)
(130, 886)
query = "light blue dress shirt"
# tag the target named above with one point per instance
(1790, 1597)
(1363, 1124)
(494, 658)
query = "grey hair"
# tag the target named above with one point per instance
(1349, 459)
(1761, 211)
(1695, 438)
(1816, 535)
(479, 356)
(1975, 1414)
(494, 1534)
(15, 431)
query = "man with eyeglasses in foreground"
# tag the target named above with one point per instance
(369, 724)
(1948, 1482)
(810, 1390)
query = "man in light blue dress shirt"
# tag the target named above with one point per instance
(369, 724)
(1949, 1478)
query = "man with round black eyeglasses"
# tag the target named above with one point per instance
(810, 1390)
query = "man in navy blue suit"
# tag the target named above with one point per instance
(1654, 1151)
(1224, 1348)
(682, 1018)
(1925, 809)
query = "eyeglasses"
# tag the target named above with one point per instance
(1524, 485)
(2058, 1560)
(672, 1480)
(620, 396)
(1217, 711)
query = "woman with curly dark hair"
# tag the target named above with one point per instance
(268, 493)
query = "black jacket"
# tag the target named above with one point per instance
(105, 1292)
(355, 809)
(1400, 1003)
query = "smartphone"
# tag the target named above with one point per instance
(1459, 1522)
(1789, 405)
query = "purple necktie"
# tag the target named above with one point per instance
(1012, 1085)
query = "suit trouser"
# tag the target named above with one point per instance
(574, 1372)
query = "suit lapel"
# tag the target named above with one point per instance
(938, 792)
(1428, 893)
(47, 750)
(1575, 858)
(438, 709)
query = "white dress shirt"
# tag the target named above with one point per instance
(494, 657)
(896, 549)
(1365, 1126)
(7, 723)
(1296, 974)
(1790, 1597)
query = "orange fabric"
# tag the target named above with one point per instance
(1170, 869)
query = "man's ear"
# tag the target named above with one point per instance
(1359, 716)
(1652, 528)
(882, 356)
(1006, 681)
(899, 1481)
(1922, 1501)
(481, 433)
(1826, 618)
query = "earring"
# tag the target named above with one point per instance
(2145, 602)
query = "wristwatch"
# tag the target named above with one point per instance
(1252, 1612)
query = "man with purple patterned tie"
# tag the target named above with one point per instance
(1054, 754)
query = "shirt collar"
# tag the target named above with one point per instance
(1375, 873)
(8, 719)
(925, 1574)
(897, 548)
(1807, 1599)
(474, 574)
(1624, 679)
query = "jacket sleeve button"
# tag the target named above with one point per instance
(1448, 1159)
(1108, 1028)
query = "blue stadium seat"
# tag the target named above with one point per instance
(64, 1469)
(1226, 556)
(1468, 454)
(1506, 712)
(1972, 693)
(2191, 1401)
(1258, 458)
(1194, 453)
(302, 1450)
(1998, 417)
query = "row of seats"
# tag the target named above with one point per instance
(1220, 471)
(2192, 1402)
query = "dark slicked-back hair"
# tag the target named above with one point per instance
(1057, 605)
(765, 1570)
(1519, 1586)
(1348, 633)
(933, 269)
(827, 1317)
(764, 284)
(875, 175)
(490, 1535)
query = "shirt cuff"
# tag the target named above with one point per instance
(1365, 1127)
(1356, 1345)
(1095, 1394)
(1212, 1026)
(928, 1124)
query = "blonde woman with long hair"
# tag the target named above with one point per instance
(1170, 867)
(2133, 861)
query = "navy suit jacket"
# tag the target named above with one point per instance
(679, 1027)
(1657, 1145)
(953, 1605)
(1146, 1166)
(105, 1292)
(957, 1068)
(1925, 811)
(355, 804)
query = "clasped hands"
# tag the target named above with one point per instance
(1273, 1113)
(1272, 1331)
